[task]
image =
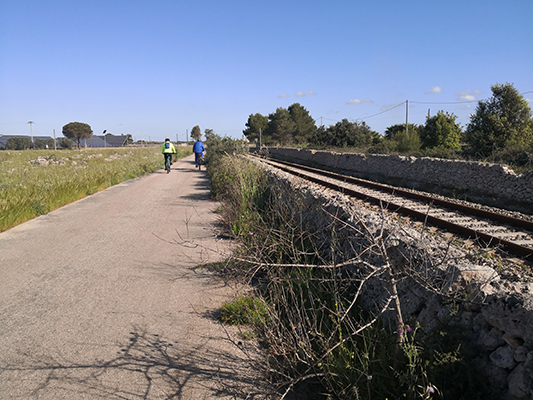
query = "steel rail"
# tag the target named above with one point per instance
(488, 239)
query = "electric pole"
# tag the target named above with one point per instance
(31, 131)
(406, 117)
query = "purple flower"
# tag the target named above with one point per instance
(408, 328)
(431, 389)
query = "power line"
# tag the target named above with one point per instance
(449, 102)
(382, 112)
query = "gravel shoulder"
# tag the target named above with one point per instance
(100, 299)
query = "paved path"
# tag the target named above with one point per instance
(95, 303)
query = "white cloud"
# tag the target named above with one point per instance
(283, 95)
(529, 100)
(467, 95)
(308, 93)
(357, 101)
(434, 89)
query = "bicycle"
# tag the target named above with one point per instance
(198, 160)
(168, 162)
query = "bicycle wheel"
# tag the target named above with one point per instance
(167, 165)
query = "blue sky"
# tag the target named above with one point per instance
(160, 67)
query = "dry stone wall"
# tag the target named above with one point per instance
(479, 177)
(443, 283)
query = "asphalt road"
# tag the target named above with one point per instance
(99, 299)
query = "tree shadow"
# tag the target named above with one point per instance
(146, 366)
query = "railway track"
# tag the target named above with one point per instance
(513, 234)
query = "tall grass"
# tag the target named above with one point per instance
(35, 182)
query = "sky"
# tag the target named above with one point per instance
(155, 69)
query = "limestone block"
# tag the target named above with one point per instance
(519, 383)
(491, 339)
(503, 357)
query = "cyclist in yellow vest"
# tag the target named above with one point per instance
(168, 150)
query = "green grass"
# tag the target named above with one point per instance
(29, 188)
(243, 310)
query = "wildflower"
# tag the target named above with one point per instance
(408, 328)
(431, 389)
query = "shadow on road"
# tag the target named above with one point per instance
(146, 366)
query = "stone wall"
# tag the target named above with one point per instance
(441, 283)
(478, 177)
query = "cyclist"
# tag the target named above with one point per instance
(168, 150)
(198, 150)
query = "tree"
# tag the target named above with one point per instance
(18, 143)
(77, 131)
(407, 142)
(255, 126)
(442, 131)
(304, 124)
(196, 133)
(66, 143)
(321, 137)
(280, 127)
(209, 133)
(44, 143)
(346, 133)
(392, 131)
(501, 121)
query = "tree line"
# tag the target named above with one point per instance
(23, 143)
(502, 123)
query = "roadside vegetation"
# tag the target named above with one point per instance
(500, 131)
(35, 182)
(320, 341)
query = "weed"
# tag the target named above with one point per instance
(243, 310)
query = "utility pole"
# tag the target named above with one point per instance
(406, 117)
(260, 138)
(31, 131)
(187, 136)
(55, 141)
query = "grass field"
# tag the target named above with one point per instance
(35, 182)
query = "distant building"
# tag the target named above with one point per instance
(108, 140)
